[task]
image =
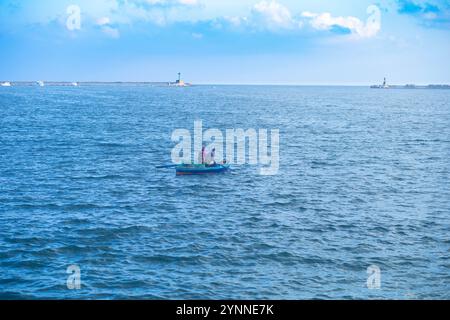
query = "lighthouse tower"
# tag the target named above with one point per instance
(180, 82)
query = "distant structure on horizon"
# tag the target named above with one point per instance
(179, 82)
(409, 86)
(383, 86)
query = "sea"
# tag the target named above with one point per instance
(359, 207)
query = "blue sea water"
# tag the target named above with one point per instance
(364, 180)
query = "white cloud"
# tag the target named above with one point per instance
(111, 32)
(236, 21)
(264, 15)
(159, 12)
(272, 15)
(170, 2)
(267, 15)
(103, 21)
(105, 26)
(325, 21)
(188, 2)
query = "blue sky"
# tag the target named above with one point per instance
(233, 41)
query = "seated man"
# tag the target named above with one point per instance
(201, 157)
(210, 161)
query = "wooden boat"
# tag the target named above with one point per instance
(197, 169)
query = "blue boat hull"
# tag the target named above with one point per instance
(198, 170)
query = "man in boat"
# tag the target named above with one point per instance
(210, 161)
(202, 156)
(212, 156)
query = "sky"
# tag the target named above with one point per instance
(316, 42)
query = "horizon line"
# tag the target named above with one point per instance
(216, 83)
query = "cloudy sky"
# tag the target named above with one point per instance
(232, 41)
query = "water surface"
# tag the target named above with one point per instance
(364, 179)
